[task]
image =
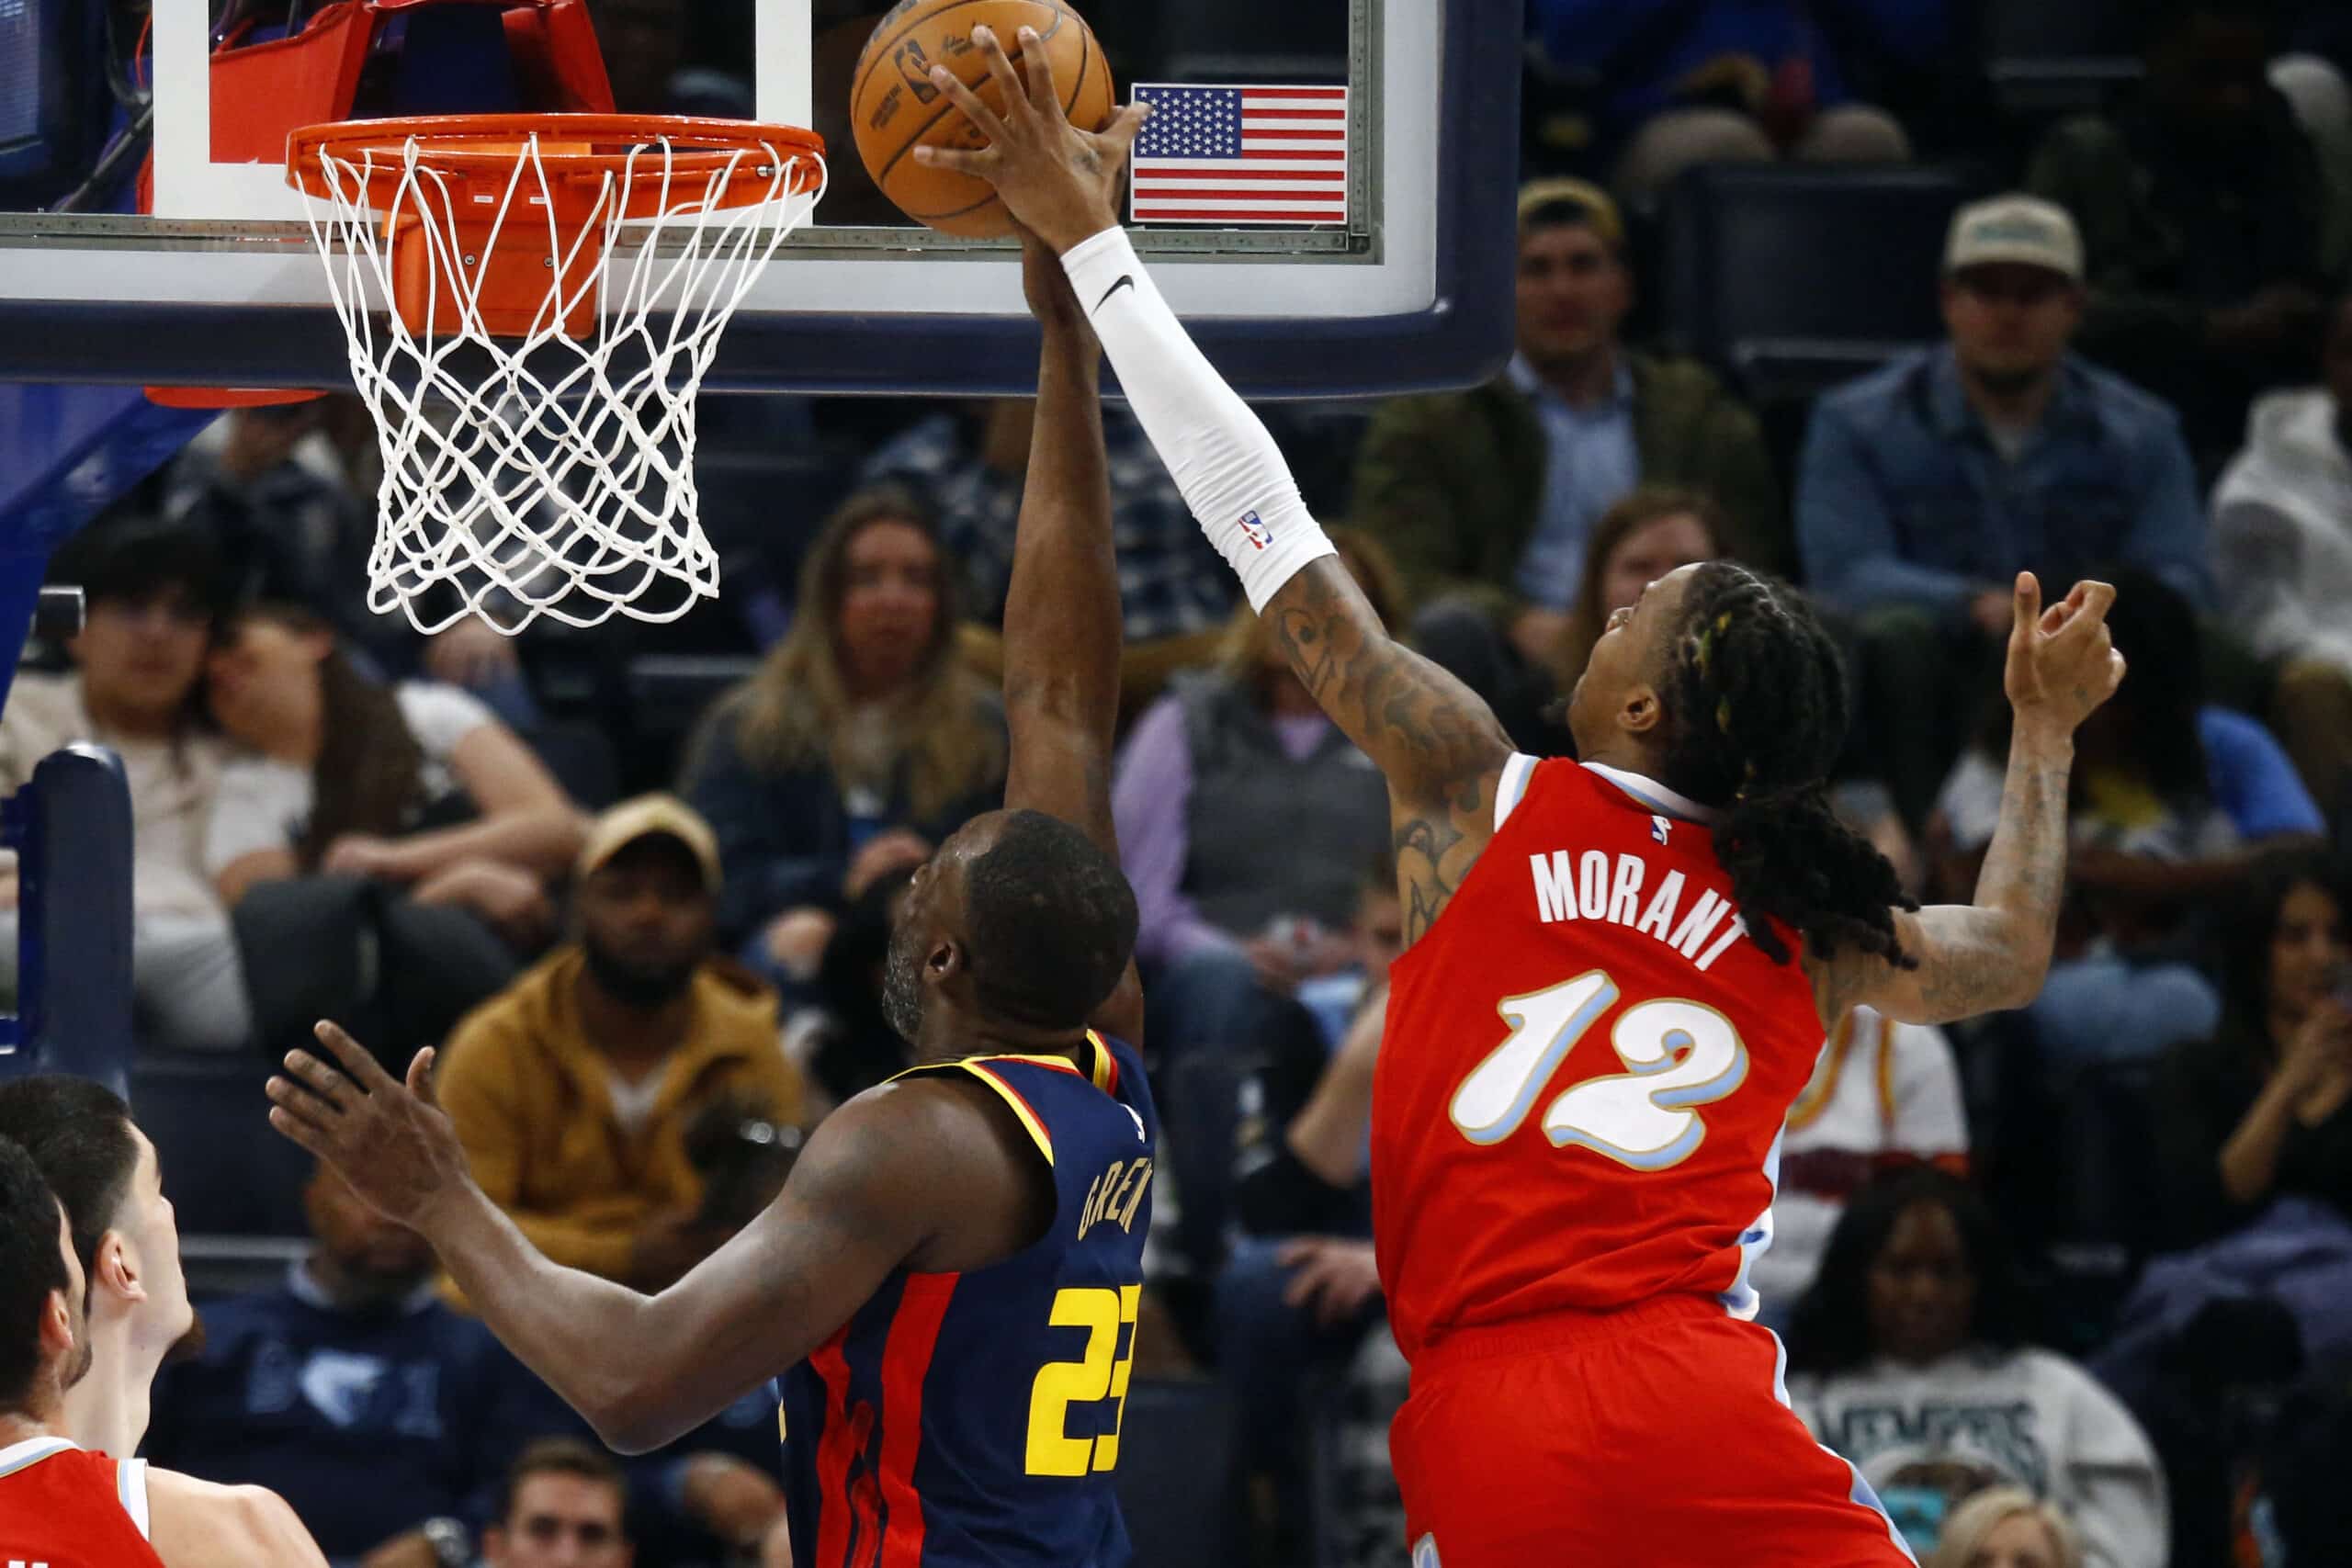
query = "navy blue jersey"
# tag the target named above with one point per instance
(962, 1420)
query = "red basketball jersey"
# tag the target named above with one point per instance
(1586, 1065)
(64, 1508)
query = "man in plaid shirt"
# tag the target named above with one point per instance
(1172, 583)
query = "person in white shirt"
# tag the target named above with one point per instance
(152, 594)
(2282, 546)
(417, 784)
(1907, 1357)
(1882, 1094)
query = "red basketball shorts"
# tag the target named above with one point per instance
(1651, 1438)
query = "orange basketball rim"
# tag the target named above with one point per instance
(509, 214)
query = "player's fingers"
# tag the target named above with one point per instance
(2117, 668)
(1298, 1249)
(2087, 621)
(322, 1080)
(299, 1108)
(980, 163)
(2028, 589)
(1037, 66)
(352, 1056)
(1010, 89)
(298, 1100)
(298, 1131)
(1125, 127)
(2097, 598)
(991, 123)
(420, 1078)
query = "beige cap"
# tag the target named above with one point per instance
(1602, 212)
(2024, 229)
(625, 824)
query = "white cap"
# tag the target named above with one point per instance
(2024, 229)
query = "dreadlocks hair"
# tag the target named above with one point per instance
(1755, 701)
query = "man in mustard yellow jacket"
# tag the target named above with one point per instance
(576, 1089)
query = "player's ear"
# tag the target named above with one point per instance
(946, 961)
(1639, 710)
(116, 1268)
(57, 1324)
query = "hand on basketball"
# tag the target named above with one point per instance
(391, 1140)
(1061, 182)
(2062, 663)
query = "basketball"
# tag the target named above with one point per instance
(895, 108)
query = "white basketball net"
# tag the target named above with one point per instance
(546, 475)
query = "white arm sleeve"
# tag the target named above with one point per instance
(1228, 467)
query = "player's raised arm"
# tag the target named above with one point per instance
(1061, 614)
(1993, 955)
(879, 1178)
(1437, 744)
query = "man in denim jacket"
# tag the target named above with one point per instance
(1927, 485)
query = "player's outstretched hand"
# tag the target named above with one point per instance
(391, 1141)
(2062, 663)
(1062, 183)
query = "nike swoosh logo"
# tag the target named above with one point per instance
(1127, 280)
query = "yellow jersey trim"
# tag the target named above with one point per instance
(1012, 1097)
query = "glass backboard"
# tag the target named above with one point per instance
(1397, 280)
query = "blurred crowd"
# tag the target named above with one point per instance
(2066, 1286)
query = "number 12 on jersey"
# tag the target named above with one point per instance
(1676, 1054)
(1101, 1375)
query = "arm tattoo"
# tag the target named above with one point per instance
(1440, 748)
(1967, 975)
(1990, 955)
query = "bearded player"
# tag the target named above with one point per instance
(1621, 974)
(950, 1280)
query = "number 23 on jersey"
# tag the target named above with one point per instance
(1676, 1054)
(1100, 1375)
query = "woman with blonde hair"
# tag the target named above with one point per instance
(2006, 1527)
(857, 745)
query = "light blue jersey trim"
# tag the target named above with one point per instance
(1512, 787)
(1654, 795)
(1741, 1301)
(1859, 1493)
(131, 1485)
(30, 1452)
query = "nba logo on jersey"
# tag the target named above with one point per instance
(1661, 830)
(1254, 528)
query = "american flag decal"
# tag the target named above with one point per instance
(1241, 155)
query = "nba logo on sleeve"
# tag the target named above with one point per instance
(1253, 527)
(1661, 830)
